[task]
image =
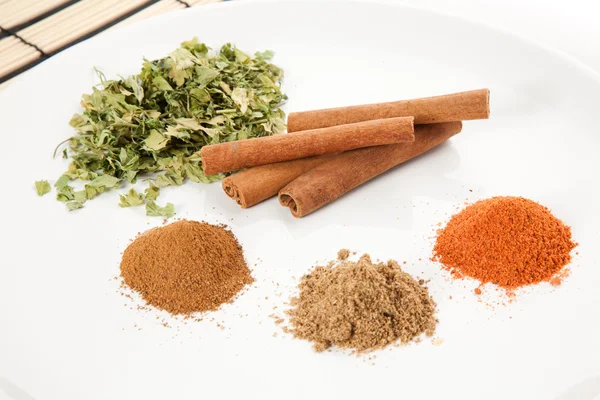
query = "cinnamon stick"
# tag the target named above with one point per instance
(328, 181)
(257, 184)
(232, 156)
(462, 106)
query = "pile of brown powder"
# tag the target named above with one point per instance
(186, 267)
(361, 306)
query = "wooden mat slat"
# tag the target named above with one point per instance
(18, 48)
(162, 7)
(47, 24)
(74, 29)
(15, 64)
(13, 13)
(12, 46)
(8, 43)
(70, 24)
(19, 60)
(15, 54)
(194, 3)
(155, 9)
(53, 25)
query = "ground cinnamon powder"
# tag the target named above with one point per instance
(186, 267)
(361, 306)
(508, 241)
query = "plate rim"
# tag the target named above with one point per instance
(582, 67)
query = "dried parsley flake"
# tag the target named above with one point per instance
(156, 122)
(42, 187)
(154, 210)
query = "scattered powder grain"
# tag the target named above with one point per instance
(558, 277)
(361, 306)
(508, 241)
(186, 267)
(343, 254)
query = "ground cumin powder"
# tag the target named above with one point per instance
(186, 267)
(361, 306)
(509, 241)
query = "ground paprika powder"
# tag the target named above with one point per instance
(508, 241)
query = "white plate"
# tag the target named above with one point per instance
(67, 333)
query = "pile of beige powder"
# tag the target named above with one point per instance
(361, 306)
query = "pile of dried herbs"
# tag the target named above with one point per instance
(156, 122)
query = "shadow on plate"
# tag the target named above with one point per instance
(13, 391)
(588, 389)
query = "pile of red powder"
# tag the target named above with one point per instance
(508, 241)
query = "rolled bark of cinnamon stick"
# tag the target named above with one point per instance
(329, 181)
(257, 184)
(462, 106)
(232, 156)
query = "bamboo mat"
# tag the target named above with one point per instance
(34, 30)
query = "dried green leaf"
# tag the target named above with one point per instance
(74, 205)
(195, 173)
(188, 123)
(154, 210)
(199, 97)
(136, 86)
(240, 96)
(131, 176)
(80, 196)
(65, 193)
(106, 181)
(181, 61)
(131, 199)
(241, 56)
(156, 122)
(152, 192)
(161, 83)
(42, 187)
(169, 178)
(62, 182)
(91, 191)
(264, 55)
(173, 131)
(156, 141)
(205, 75)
